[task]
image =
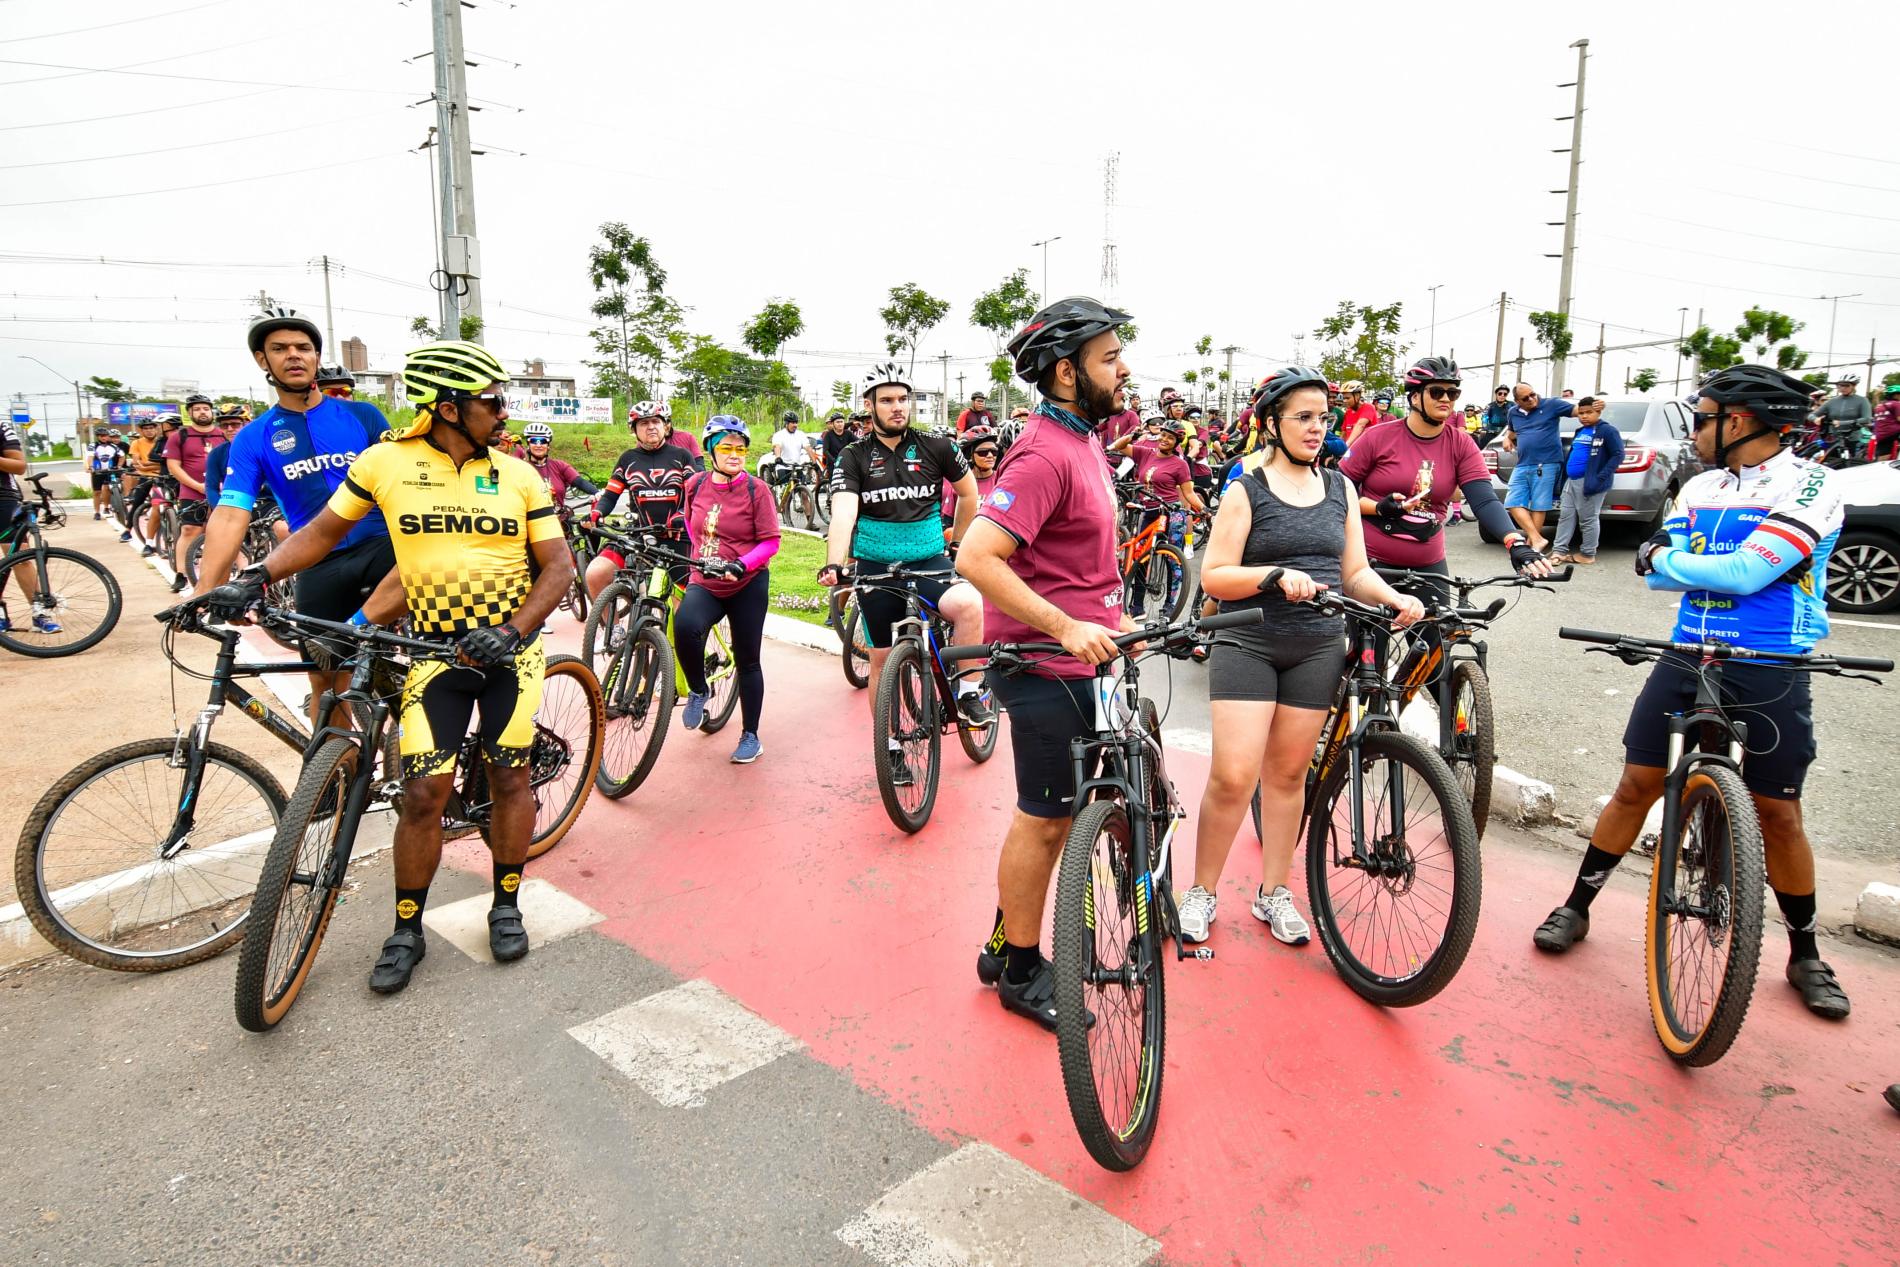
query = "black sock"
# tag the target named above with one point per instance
(508, 883)
(995, 944)
(409, 904)
(1023, 962)
(1798, 911)
(1591, 877)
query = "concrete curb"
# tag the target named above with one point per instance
(1877, 914)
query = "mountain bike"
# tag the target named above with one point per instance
(581, 544)
(798, 498)
(1152, 566)
(1703, 932)
(72, 600)
(1114, 906)
(916, 703)
(628, 641)
(854, 652)
(309, 853)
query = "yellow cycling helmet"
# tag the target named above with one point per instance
(435, 371)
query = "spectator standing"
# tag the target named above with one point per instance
(1534, 436)
(1887, 425)
(977, 415)
(1847, 413)
(1595, 451)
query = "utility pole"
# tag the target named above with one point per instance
(461, 252)
(1044, 244)
(1682, 323)
(1228, 411)
(329, 322)
(959, 384)
(945, 359)
(1432, 341)
(1598, 389)
(1497, 349)
(1834, 313)
(1570, 207)
(1520, 358)
(1111, 268)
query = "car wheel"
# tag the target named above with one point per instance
(1863, 573)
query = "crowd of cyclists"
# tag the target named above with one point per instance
(450, 526)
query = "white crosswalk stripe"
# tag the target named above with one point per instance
(681, 1043)
(548, 913)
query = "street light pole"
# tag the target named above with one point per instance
(1044, 244)
(1570, 209)
(1833, 315)
(1682, 324)
(1432, 342)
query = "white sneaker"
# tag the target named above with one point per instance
(1197, 912)
(1277, 912)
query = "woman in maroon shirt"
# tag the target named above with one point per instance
(732, 527)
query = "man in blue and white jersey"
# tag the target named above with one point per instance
(299, 451)
(1747, 544)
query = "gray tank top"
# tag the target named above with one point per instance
(1310, 539)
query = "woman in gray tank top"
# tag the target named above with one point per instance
(1286, 530)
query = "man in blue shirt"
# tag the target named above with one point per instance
(299, 451)
(1534, 435)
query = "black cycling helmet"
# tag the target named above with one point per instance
(1279, 385)
(199, 398)
(281, 319)
(1776, 398)
(790, 415)
(1433, 369)
(334, 374)
(1059, 331)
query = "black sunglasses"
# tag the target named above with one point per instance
(985, 452)
(1444, 393)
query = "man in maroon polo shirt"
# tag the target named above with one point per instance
(1042, 554)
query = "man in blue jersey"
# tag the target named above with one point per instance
(299, 451)
(1747, 543)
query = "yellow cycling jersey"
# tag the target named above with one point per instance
(461, 537)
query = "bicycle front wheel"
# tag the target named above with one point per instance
(77, 596)
(1166, 582)
(296, 890)
(638, 692)
(722, 678)
(608, 623)
(564, 760)
(1474, 741)
(1705, 918)
(1111, 1009)
(857, 652)
(1396, 905)
(907, 718)
(94, 871)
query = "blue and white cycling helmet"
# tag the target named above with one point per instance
(724, 424)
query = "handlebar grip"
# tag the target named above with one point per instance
(1233, 620)
(1482, 614)
(1569, 570)
(974, 651)
(1588, 635)
(1865, 663)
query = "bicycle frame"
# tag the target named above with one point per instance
(1433, 662)
(1703, 718)
(919, 624)
(1350, 719)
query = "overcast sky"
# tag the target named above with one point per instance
(1274, 160)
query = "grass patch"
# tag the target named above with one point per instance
(795, 589)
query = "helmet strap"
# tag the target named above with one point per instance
(1272, 439)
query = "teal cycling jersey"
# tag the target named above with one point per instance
(1750, 551)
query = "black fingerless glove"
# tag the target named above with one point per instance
(1656, 542)
(1391, 506)
(239, 596)
(490, 646)
(1522, 556)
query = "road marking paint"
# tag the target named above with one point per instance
(549, 914)
(1188, 740)
(681, 1043)
(981, 1206)
(1862, 624)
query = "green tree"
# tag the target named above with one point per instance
(1554, 332)
(1364, 344)
(1002, 312)
(705, 367)
(421, 328)
(777, 324)
(470, 327)
(1128, 332)
(109, 389)
(1764, 328)
(642, 325)
(1816, 378)
(842, 390)
(911, 314)
(1892, 379)
(1711, 351)
(1644, 380)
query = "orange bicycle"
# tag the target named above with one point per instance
(1152, 566)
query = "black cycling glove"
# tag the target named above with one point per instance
(722, 567)
(1522, 556)
(235, 600)
(488, 647)
(1391, 506)
(1656, 542)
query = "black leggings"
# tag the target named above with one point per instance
(699, 611)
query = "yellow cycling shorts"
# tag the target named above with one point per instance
(438, 700)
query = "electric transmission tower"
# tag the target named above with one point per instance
(1111, 272)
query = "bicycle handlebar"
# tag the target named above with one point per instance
(188, 616)
(1727, 651)
(1148, 633)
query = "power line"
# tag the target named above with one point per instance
(203, 79)
(127, 68)
(1865, 158)
(49, 257)
(103, 26)
(1742, 290)
(1742, 259)
(1820, 180)
(1769, 237)
(209, 184)
(199, 145)
(131, 114)
(1802, 206)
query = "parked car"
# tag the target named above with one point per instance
(1863, 573)
(1658, 459)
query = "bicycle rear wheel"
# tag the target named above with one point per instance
(907, 714)
(1111, 1008)
(564, 760)
(722, 677)
(638, 692)
(1397, 922)
(1165, 573)
(79, 594)
(1705, 918)
(608, 623)
(1474, 739)
(296, 891)
(90, 870)
(856, 655)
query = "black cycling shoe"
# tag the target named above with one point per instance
(1564, 929)
(401, 953)
(974, 711)
(901, 775)
(1819, 988)
(1034, 998)
(1893, 1096)
(507, 935)
(989, 967)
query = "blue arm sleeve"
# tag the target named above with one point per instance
(243, 475)
(1754, 565)
(1490, 512)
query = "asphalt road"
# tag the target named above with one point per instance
(1561, 712)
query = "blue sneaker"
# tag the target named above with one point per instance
(6, 624)
(748, 750)
(44, 623)
(695, 709)
(126, 535)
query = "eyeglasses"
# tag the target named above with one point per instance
(1444, 393)
(233, 424)
(1523, 400)
(985, 452)
(494, 400)
(730, 450)
(1306, 418)
(538, 443)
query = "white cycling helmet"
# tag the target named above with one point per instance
(537, 431)
(1848, 378)
(648, 409)
(885, 375)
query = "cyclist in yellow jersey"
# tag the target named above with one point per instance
(482, 561)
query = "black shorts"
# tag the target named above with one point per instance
(194, 514)
(1775, 705)
(335, 588)
(102, 480)
(882, 608)
(1045, 714)
(1247, 664)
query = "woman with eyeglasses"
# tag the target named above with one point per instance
(1287, 529)
(733, 530)
(1408, 476)
(981, 449)
(537, 440)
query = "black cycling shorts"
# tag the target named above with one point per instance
(1045, 714)
(882, 608)
(193, 514)
(1300, 672)
(1774, 704)
(438, 699)
(102, 479)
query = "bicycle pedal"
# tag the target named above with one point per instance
(1201, 953)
